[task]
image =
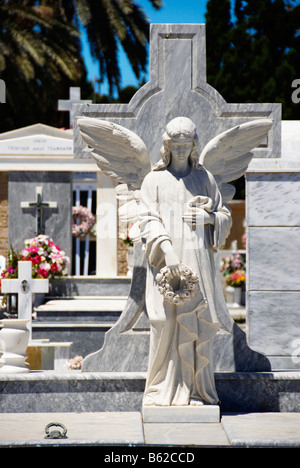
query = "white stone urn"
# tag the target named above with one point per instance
(233, 296)
(14, 337)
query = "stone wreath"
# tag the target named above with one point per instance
(189, 281)
(83, 221)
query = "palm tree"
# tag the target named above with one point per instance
(40, 51)
(111, 24)
(33, 36)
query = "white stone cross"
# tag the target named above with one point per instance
(25, 286)
(39, 204)
(66, 105)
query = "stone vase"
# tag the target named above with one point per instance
(237, 297)
(14, 337)
(233, 296)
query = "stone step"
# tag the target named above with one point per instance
(78, 286)
(84, 320)
(86, 337)
(239, 392)
(85, 309)
(84, 303)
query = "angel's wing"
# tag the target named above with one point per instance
(228, 155)
(122, 155)
(119, 152)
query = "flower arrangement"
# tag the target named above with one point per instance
(75, 363)
(125, 237)
(234, 269)
(48, 260)
(236, 279)
(83, 221)
(181, 296)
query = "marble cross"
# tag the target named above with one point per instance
(66, 104)
(25, 286)
(39, 204)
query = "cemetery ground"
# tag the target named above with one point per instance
(125, 431)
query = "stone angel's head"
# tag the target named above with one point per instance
(180, 128)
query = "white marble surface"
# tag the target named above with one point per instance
(183, 414)
(273, 199)
(290, 138)
(93, 427)
(189, 434)
(177, 86)
(273, 262)
(273, 323)
(263, 429)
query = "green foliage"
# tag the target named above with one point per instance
(41, 57)
(253, 53)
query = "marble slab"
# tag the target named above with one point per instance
(181, 414)
(263, 429)
(76, 391)
(272, 323)
(91, 428)
(199, 434)
(273, 199)
(273, 263)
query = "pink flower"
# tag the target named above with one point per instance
(36, 259)
(42, 272)
(34, 249)
(51, 244)
(11, 270)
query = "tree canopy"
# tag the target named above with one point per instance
(253, 51)
(41, 56)
(253, 54)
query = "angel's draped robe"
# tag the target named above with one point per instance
(180, 364)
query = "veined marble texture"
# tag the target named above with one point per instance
(273, 325)
(178, 87)
(273, 199)
(273, 258)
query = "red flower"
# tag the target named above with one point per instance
(36, 259)
(42, 272)
(54, 268)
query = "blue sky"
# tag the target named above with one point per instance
(173, 11)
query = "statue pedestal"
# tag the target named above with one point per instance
(181, 414)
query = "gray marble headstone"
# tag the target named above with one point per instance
(56, 222)
(177, 87)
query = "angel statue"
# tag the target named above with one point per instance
(179, 212)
